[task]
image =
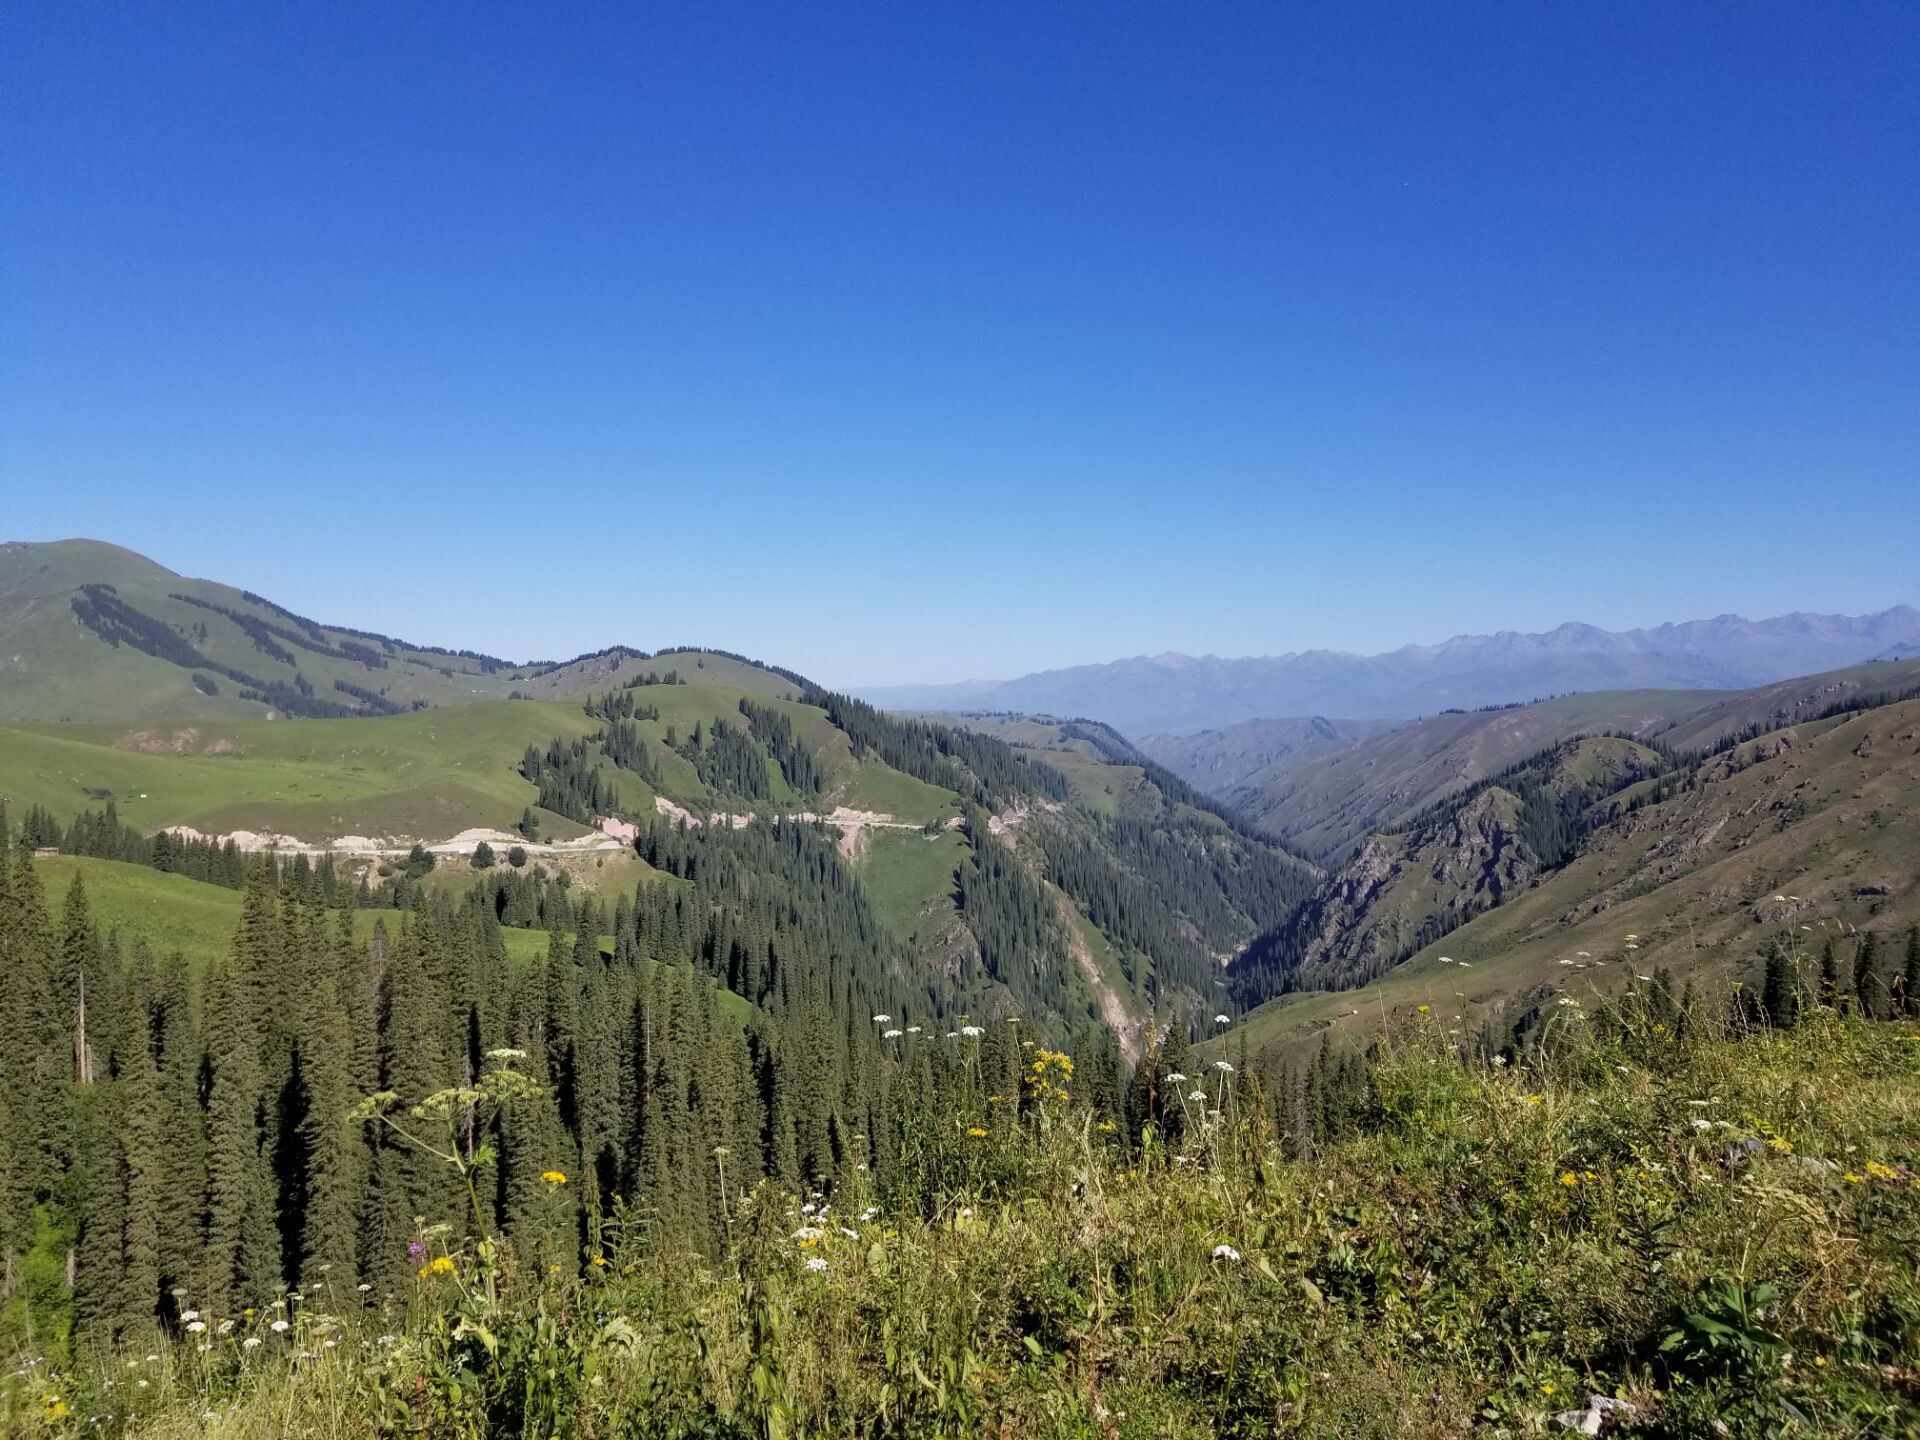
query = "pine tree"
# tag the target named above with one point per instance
(1829, 976)
(1780, 992)
(333, 1152)
(1910, 975)
(233, 1136)
(1869, 987)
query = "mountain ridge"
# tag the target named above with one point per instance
(1173, 693)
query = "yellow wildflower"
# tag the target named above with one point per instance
(439, 1265)
(1426, 1009)
(553, 1177)
(1785, 1147)
(976, 1131)
(1853, 1179)
(1881, 1172)
(1531, 1099)
(1569, 1179)
(598, 1261)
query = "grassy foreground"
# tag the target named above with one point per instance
(1720, 1232)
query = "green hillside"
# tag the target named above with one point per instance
(90, 632)
(1802, 835)
(1328, 804)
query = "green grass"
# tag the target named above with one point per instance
(1716, 1231)
(908, 877)
(425, 775)
(170, 911)
(886, 791)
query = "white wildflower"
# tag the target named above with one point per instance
(881, 1019)
(816, 1264)
(1223, 1019)
(279, 1327)
(1198, 1095)
(891, 1035)
(194, 1327)
(1225, 1252)
(809, 1234)
(1223, 1067)
(1176, 1078)
(972, 1032)
(252, 1342)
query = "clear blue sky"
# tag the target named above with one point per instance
(916, 342)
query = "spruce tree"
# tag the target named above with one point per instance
(1780, 991)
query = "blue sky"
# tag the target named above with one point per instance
(921, 342)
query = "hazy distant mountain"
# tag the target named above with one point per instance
(1174, 694)
(1218, 761)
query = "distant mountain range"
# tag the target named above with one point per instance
(1180, 694)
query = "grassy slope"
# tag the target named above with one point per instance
(56, 669)
(908, 878)
(173, 912)
(425, 775)
(1816, 813)
(1326, 806)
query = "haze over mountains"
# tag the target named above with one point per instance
(1180, 694)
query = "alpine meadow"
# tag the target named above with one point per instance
(1222, 737)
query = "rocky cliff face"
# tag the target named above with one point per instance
(1402, 891)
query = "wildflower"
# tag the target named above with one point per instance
(809, 1234)
(1703, 1124)
(868, 1213)
(1499, 1059)
(1176, 1078)
(913, 1029)
(1425, 1009)
(553, 1177)
(1785, 1147)
(1880, 1171)
(439, 1265)
(1853, 1179)
(1569, 1179)
(1198, 1095)
(1225, 1252)
(1530, 1099)
(972, 1032)
(850, 1234)
(598, 1261)
(506, 1052)
(1223, 1019)
(363, 1287)
(194, 1327)
(252, 1342)
(1223, 1067)
(279, 1327)
(976, 1132)
(1546, 1389)
(881, 1019)
(816, 1265)
(189, 1314)
(891, 1035)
